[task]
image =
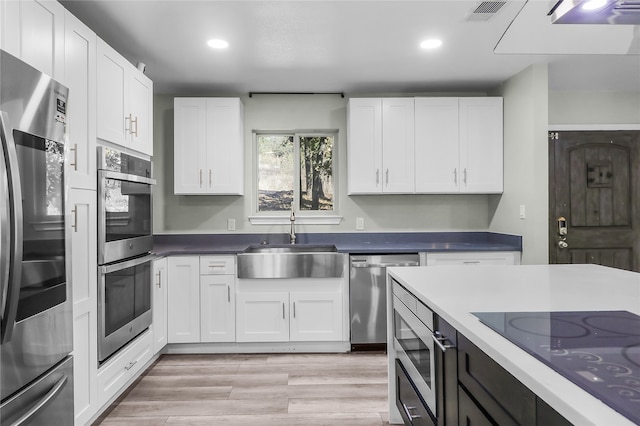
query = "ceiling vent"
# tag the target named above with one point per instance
(485, 10)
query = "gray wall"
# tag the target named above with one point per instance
(525, 164)
(594, 107)
(209, 214)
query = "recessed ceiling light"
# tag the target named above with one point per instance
(593, 4)
(218, 43)
(431, 43)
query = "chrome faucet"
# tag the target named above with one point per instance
(292, 232)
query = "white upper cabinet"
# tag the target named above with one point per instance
(208, 146)
(459, 145)
(380, 145)
(481, 145)
(33, 30)
(398, 145)
(436, 144)
(80, 78)
(364, 145)
(125, 102)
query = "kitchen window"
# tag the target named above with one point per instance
(295, 170)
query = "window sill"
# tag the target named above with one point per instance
(300, 220)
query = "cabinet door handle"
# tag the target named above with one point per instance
(127, 120)
(464, 176)
(210, 177)
(75, 157)
(294, 309)
(131, 364)
(228, 294)
(75, 218)
(200, 178)
(387, 177)
(407, 411)
(159, 283)
(455, 176)
(377, 176)
(438, 339)
(282, 310)
(134, 132)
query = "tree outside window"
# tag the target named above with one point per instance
(284, 159)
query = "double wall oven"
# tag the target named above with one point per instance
(425, 364)
(125, 239)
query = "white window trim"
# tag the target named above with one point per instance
(303, 217)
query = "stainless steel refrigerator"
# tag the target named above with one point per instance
(36, 375)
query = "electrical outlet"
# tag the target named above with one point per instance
(231, 224)
(359, 223)
(522, 212)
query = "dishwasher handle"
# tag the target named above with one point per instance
(365, 264)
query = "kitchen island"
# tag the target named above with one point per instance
(455, 293)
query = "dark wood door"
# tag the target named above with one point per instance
(594, 183)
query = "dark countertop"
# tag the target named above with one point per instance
(360, 242)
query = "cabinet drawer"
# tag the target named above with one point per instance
(502, 396)
(471, 258)
(217, 265)
(123, 367)
(405, 297)
(408, 401)
(469, 414)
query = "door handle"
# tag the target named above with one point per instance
(53, 392)
(562, 226)
(11, 290)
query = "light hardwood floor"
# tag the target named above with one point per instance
(263, 389)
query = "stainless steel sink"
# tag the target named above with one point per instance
(291, 261)
(291, 248)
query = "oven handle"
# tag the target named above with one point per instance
(13, 256)
(107, 269)
(109, 174)
(438, 338)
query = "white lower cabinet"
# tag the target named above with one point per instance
(124, 367)
(159, 311)
(279, 315)
(217, 308)
(217, 299)
(183, 309)
(263, 317)
(316, 316)
(201, 299)
(470, 258)
(83, 277)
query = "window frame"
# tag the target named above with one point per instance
(316, 217)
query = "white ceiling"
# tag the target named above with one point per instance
(357, 46)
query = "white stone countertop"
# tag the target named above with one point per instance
(453, 292)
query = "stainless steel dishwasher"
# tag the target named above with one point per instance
(368, 297)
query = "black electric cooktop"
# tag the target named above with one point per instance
(597, 350)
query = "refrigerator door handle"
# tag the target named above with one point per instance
(55, 390)
(12, 258)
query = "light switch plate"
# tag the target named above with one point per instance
(231, 224)
(359, 223)
(522, 212)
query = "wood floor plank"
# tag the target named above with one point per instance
(332, 419)
(331, 405)
(209, 359)
(184, 393)
(199, 408)
(316, 378)
(310, 391)
(135, 421)
(195, 370)
(215, 380)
